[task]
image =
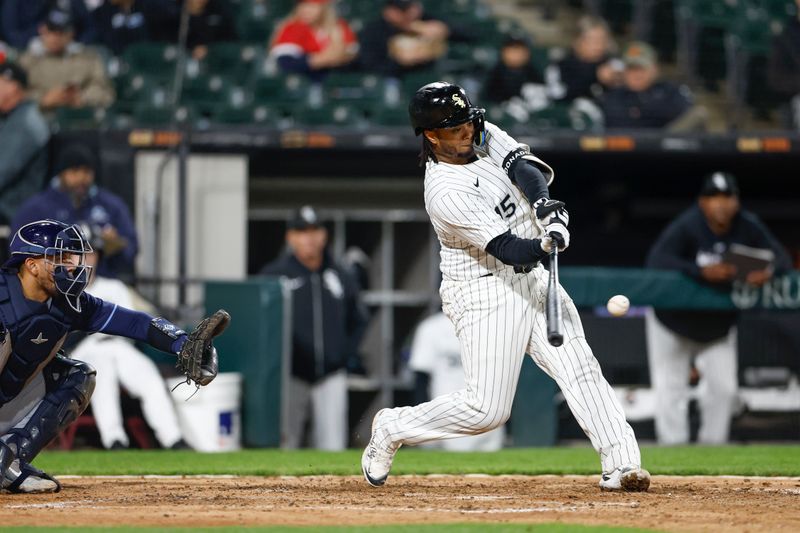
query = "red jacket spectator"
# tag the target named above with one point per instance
(313, 39)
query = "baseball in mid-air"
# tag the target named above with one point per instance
(618, 305)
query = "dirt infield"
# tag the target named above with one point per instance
(673, 504)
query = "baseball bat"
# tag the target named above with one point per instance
(555, 334)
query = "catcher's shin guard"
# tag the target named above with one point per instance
(69, 385)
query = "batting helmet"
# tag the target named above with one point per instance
(442, 105)
(54, 240)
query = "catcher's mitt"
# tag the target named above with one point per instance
(198, 357)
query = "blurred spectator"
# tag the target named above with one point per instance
(784, 69)
(328, 322)
(73, 197)
(119, 364)
(403, 39)
(63, 73)
(313, 40)
(513, 71)
(123, 22)
(23, 142)
(436, 362)
(645, 102)
(696, 244)
(21, 19)
(588, 68)
(210, 22)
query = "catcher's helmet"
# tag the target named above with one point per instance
(442, 105)
(54, 240)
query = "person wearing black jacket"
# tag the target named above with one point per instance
(588, 69)
(404, 39)
(783, 71)
(328, 321)
(121, 23)
(644, 101)
(210, 21)
(694, 244)
(512, 72)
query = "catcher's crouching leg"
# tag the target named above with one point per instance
(69, 385)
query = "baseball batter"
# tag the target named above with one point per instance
(489, 204)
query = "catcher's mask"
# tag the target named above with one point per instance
(64, 249)
(444, 105)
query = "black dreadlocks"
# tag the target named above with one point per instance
(427, 152)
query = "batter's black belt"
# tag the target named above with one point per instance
(518, 269)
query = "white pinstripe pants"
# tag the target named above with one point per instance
(498, 319)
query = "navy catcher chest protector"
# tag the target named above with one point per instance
(30, 337)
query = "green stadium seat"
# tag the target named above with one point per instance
(456, 9)
(702, 27)
(68, 118)
(498, 114)
(414, 80)
(780, 10)
(751, 30)
(329, 115)
(364, 9)
(282, 88)
(234, 60)
(390, 116)
(554, 117)
(748, 47)
(204, 91)
(242, 115)
(156, 60)
(141, 89)
(257, 20)
(161, 116)
(709, 13)
(460, 59)
(119, 118)
(350, 86)
(256, 30)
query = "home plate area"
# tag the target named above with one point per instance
(672, 504)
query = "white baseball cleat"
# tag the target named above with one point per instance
(376, 461)
(629, 478)
(23, 478)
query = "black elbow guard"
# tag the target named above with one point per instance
(162, 334)
(527, 176)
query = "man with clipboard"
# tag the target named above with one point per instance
(716, 242)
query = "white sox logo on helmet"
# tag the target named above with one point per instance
(459, 101)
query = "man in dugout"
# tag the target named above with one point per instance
(695, 243)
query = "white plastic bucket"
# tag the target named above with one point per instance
(211, 420)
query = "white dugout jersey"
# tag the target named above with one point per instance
(469, 205)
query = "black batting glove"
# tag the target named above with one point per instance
(546, 210)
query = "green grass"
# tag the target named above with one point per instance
(695, 460)
(426, 528)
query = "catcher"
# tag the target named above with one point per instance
(41, 301)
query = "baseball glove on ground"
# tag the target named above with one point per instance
(198, 357)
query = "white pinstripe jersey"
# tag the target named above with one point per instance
(469, 205)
